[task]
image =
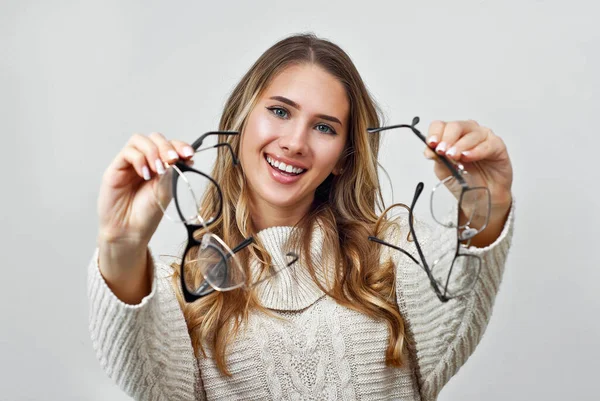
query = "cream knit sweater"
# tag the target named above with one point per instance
(319, 351)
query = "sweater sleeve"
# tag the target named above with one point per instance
(442, 336)
(144, 348)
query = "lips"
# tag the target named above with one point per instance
(282, 177)
(284, 168)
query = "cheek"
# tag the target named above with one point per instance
(259, 131)
(332, 154)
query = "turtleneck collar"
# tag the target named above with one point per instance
(293, 288)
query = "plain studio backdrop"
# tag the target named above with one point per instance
(78, 78)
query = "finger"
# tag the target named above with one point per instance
(137, 159)
(430, 154)
(479, 152)
(184, 149)
(436, 129)
(465, 143)
(492, 147)
(150, 151)
(166, 149)
(452, 132)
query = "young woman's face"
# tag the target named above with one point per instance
(294, 137)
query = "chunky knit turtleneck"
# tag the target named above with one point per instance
(317, 350)
(293, 288)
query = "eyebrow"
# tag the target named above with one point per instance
(297, 106)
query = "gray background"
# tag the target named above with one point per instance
(78, 78)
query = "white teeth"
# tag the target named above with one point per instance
(284, 167)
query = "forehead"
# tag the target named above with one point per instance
(313, 88)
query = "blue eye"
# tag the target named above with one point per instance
(326, 129)
(278, 111)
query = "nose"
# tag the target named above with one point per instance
(295, 141)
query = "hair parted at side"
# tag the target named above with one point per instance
(345, 207)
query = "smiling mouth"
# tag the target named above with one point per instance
(284, 168)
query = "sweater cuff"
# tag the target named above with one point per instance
(506, 233)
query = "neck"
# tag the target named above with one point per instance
(265, 215)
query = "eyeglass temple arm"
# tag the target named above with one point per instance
(418, 133)
(418, 191)
(234, 159)
(198, 142)
(293, 256)
(379, 241)
(243, 245)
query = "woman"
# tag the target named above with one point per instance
(350, 320)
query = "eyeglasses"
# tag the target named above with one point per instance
(187, 186)
(207, 264)
(454, 272)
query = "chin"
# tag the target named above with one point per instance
(279, 199)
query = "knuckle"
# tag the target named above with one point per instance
(454, 126)
(135, 137)
(436, 125)
(157, 136)
(498, 142)
(138, 156)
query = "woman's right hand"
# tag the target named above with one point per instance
(127, 210)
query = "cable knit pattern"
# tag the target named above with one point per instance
(339, 350)
(314, 349)
(145, 348)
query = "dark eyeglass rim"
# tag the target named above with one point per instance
(205, 287)
(442, 295)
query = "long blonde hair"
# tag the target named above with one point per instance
(344, 206)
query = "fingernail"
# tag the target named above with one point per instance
(466, 153)
(159, 166)
(188, 151)
(146, 173)
(441, 147)
(432, 140)
(172, 155)
(451, 151)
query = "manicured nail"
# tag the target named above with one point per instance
(188, 151)
(172, 155)
(451, 151)
(159, 166)
(441, 147)
(432, 140)
(466, 153)
(146, 173)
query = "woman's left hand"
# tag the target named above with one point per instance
(481, 152)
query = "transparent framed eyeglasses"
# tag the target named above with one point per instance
(207, 264)
(456, 203)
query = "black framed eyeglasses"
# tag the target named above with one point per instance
(207, 264)
(456, 203)
(187, 185)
